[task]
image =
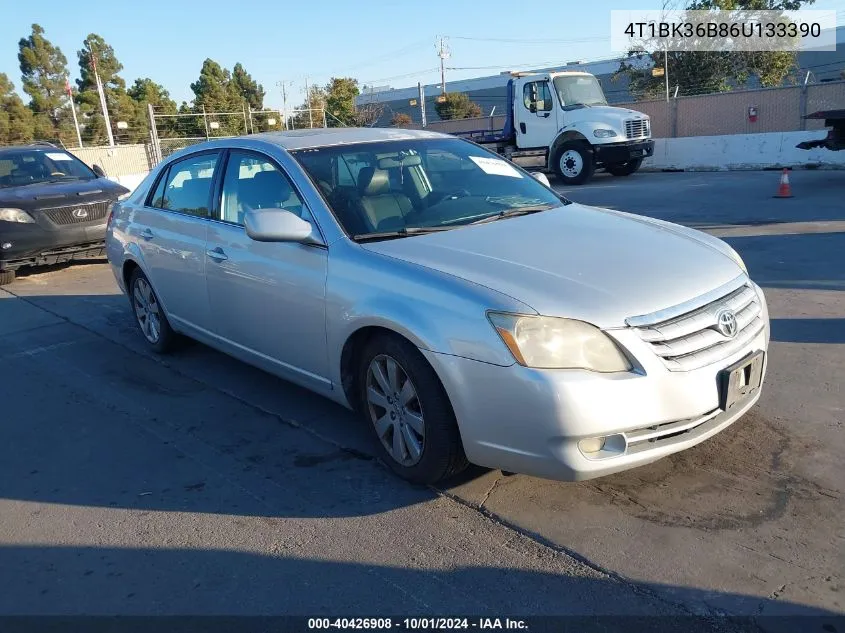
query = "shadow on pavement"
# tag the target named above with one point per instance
(808, 330)
(90, 580)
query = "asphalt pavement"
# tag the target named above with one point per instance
(195, 484)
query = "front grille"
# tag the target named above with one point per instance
(94, 211)
(637, 128)
(692, 340)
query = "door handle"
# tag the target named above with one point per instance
(217, 254)
(147, 234)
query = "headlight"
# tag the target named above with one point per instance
(124, 196)
(553, 343)
(15, 215)
(735, 256)
(604, 133)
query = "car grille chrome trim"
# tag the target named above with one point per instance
(670, 432)
(637, 128)
(691, 340)
(62, 216)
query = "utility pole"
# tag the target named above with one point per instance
(102, 97)
(443, 53)
(73, 110)
(422, 103)
(666, 71)
(282, 85)
(308, 101)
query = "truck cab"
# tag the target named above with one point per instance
(565, 114)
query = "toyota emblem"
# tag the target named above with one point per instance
(80, 214)
(726, 323)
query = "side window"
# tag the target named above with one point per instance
(544, 97)
(157, 199)
(253, 182)
(187, 186)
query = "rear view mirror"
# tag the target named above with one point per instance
(101, 173)
(278, 225)
(402, 161)
(541, 177)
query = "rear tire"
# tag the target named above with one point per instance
(6, 277)
(149, 315)
(408, 399)
(624, 169)
(573, 163)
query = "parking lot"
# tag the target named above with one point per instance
(192, 483)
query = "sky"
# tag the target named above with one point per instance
(379, 42)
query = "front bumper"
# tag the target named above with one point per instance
(530, 421)
(32, 244)
(611, 153)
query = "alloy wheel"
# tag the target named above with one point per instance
(147, 310)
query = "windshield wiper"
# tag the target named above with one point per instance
(403, 232)
(512, 213)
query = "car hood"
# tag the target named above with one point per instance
(580, 262)
(56, 194)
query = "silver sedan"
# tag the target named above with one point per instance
(465, 309)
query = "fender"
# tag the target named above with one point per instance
(566, 134)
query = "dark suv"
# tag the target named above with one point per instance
(53, 207)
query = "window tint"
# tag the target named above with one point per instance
(544, 97)
(253, 182)
(188, 186)
(157, 199)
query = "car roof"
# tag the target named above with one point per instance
(326, 137)
(8, 149)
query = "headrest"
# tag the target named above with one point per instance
(273, 181)
(372, 181)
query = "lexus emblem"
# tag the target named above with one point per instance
(726, 323)
(80, 214)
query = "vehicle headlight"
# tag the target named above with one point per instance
(124, 196)
(554, 343)
(604, 133)
(15, 215)
(735, 256)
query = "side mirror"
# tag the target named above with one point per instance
(101, 173)
(542, 178)
(278, 225)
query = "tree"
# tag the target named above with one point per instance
(249, 89)
(215, 91)
(145, 92)
(316, 103)
(16, 121)
(400, 119)
(457, 105)
(340, 101)
(120, 105)
(44, 71)
(702, 71)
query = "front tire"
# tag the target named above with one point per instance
(6, 277)
(409, 412)
(573, 163)
(149, 315)
(624, 169)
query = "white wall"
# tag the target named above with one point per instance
(130, 181)
(741, 151)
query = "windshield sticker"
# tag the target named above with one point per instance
(495, 166)
(58, 156)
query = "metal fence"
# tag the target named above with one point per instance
(171, 132)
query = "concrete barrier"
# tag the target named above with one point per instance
(130, 181)
(741, 151)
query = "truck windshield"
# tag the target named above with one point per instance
(577, 91)
(412, 185)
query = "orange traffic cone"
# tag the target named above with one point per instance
(784, 190)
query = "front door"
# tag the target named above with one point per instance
(267, 298)
(536, 121)
(171, 233)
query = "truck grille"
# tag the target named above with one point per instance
(78, 213)
(692, 340)
(637, 128)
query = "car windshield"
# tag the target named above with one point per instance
(577, 91)
(31, 166)
(412, 185)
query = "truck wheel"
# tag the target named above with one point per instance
(6, 277)
(624, 169)
(573, 163)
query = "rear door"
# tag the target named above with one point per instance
(171, 232)
(267, 298)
